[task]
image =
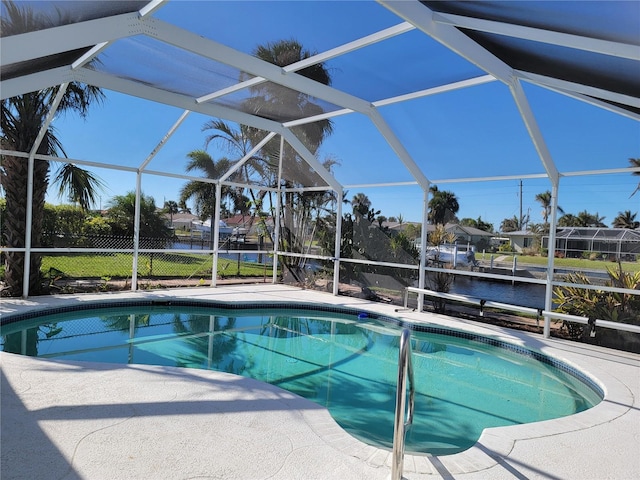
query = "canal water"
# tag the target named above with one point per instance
(522, 294)
(244, 257)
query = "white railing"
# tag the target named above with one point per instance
(593, 321)
(548, 315)
(470, 300)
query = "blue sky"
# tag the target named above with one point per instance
(475, 132)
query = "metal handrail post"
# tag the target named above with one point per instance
(405, 368)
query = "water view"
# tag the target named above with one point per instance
(522, 294)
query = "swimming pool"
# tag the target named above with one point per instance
(464, 383)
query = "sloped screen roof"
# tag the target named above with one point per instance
(604, 234)
(591, 20)
(387, 55)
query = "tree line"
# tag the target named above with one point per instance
(625, 219)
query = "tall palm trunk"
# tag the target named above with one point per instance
(15, 185)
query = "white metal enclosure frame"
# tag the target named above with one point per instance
(469, 35)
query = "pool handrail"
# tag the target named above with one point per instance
(405, 369)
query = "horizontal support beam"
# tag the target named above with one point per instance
(212, 50)
(183, 102)
(579, 42)
(50, 41)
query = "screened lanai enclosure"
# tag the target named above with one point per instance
(331, 145)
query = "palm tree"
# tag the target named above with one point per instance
(22, 118)
(626, 219)
(635, 163)
(78, 185)
(545, 200)
(271, 100)
(478, 223)
(237, 142)
(171, 207)
(510, 224)
(568, 220)
(204, 194)
(443, 206)
(121, 218)
(586, 219)
(154, 232)
(361, 204)
(275, 101)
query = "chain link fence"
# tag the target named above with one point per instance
(106, 263)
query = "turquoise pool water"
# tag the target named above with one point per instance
(341, 361)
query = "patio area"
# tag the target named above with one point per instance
(88, 420)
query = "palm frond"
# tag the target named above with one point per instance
(78, 184)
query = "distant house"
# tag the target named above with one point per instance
(181, 221)
(464, 234)
(248, 225)
(396, 226)
(238, 221)
(520, 239)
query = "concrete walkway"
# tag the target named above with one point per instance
(65, 420)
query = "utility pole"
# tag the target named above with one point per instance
(520, 218)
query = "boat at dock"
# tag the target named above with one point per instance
(452, 254)
(225, 231)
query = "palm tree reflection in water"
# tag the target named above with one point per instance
(210, 347)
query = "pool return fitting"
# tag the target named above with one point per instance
(405, 367)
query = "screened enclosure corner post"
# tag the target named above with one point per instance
(215, 231)
(136, 233)
(276, 236)
(423, 247)
(338, 242)
(27, 234)
(551, 251)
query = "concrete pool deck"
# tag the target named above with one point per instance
(72, 420)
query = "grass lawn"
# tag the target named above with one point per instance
(577, 263)
(118, 265)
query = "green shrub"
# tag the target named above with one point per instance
(598, 304)
(506, 248)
